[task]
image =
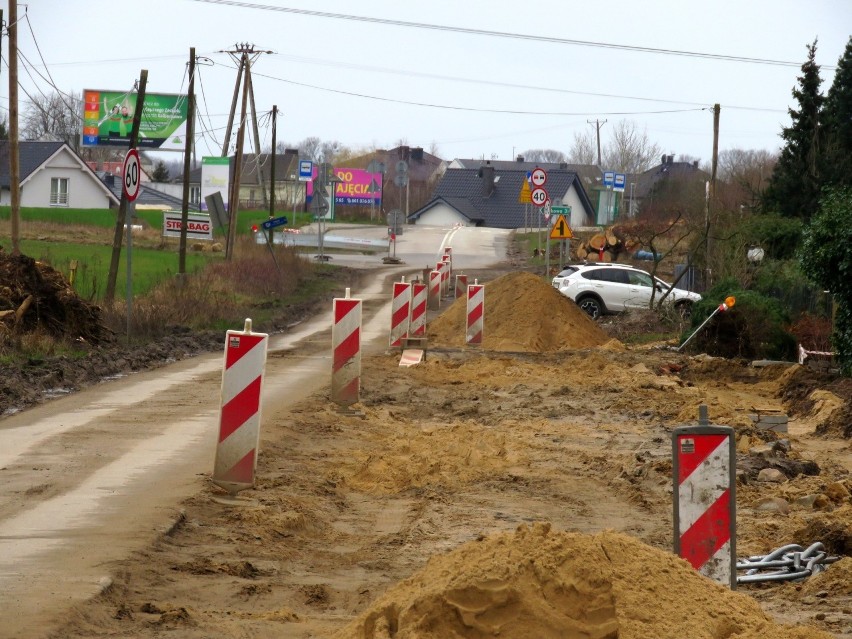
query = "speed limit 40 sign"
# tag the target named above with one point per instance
(539, 196)
(131, 175)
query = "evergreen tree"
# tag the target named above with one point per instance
(161, 172)
(837, 125)
(794, 187)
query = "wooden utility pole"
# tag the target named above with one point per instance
(14, 159)
(230, 126)
(109, 296)
(598, 124)
(190, 135)
(234, 199)
(711, 190)
(272, 165)
(255, 130)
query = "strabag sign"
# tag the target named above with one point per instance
(198, 227)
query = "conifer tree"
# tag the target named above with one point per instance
(837, 125)
(794, 187)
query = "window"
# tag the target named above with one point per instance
(195, 195)
(59, 191)
(618, 276)
(638, 278)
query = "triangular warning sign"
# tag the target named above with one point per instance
(524, 196)
(561, 230)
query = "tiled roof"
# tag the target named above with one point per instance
(31, 155)
(462, 189)
(147, 196)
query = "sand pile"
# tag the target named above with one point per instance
(537, 583)
(523, 313)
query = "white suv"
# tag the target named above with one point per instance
(609, 288)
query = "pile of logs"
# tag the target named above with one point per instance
(607, 246)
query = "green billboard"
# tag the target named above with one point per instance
(108, 120)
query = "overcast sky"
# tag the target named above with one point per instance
(371, 83)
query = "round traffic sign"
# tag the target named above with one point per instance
(539, 177)
(131, 174)
(538, 196)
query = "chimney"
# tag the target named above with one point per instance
(520, 158)
(665, 157)
(670, 159)
(695, 164)
(563, 165)
(417, 154)
(405, 153)
(109, 179)
(486, 172)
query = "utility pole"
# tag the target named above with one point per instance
(14, 159)
(711, 190)
(272, 169)
(598, 124)
(187, 156)
(234, 199)
(109, 295)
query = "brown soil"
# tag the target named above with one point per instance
(521, 489)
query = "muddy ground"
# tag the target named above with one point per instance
(485, 491)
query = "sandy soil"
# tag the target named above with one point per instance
(520, 489)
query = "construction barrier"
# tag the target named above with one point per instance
(704, 468)
(346, 351)
(447, 273)
(417, 324)
(461, 286)
(239, 416)
(434, 299)
(400, 312)
(475, 313)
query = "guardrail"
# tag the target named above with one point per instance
(329, 241)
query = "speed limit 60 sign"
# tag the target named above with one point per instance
(131, 174)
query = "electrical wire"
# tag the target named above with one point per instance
(500, 34)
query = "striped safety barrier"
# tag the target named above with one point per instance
(346, 351)
(475, 313)
(434, 299)
(400, 312)
(704, 467)
(417, 325)
(239, 416)
(447, 273)
(461, 286)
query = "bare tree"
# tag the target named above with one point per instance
(53, 117)
(629, 150)
(543, 155)
(583, 150)
(745, 174)
(433, 149)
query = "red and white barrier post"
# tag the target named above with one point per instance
(461, 286)
(239, 416)
(475, 313)
(417, 325)
(434, 290)
(346, 351)
(704, 468)
(400, 312)
(447, 273)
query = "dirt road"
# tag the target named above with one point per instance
(550, 421)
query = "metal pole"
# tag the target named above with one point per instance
(703, 324)
(131, 209)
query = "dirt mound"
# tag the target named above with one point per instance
(539, 583)
(35, 297)
(523, 313)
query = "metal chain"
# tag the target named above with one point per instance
(787, 563)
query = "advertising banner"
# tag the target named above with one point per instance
(108, 120)
(215, 176)
(358, 187)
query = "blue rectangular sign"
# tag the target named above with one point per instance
(306, 170)
(276, 221)
(619, 182)
(609, 178)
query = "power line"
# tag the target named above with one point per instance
(502, 34)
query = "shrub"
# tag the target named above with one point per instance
(753, 328)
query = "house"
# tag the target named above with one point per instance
(148, 197)
(666, 183)
(410, 175)
(52, 174)
(255, 177)
(486, 196)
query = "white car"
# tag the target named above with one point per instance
(610, 288)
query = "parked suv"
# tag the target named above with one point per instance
(610, 288)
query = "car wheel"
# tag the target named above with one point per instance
(684, 309)
(593, 307)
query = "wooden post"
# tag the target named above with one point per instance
(234, 200)
(190, 133)
(14, 161)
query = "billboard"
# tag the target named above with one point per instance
(357, 187)
(108, 120)
(215, 176)
(198, 227)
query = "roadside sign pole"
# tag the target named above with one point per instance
(546, 253)
(131, 211)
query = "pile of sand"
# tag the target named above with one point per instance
(523, 313)
(554, 585)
